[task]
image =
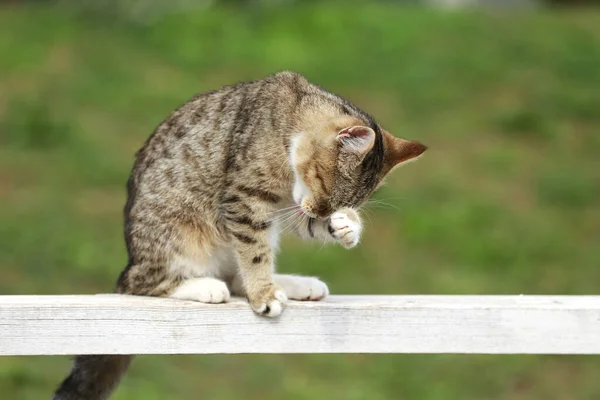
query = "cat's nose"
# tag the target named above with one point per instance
(323, 211)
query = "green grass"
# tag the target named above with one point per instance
(505, 201)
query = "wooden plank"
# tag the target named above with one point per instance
(114, 324)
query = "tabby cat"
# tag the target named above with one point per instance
(217, 182)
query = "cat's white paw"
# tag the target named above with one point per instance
(269, 301)
(302, 287)
(204, 290)
(344, 229)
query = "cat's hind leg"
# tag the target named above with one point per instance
(175, 261)
(201, 273)
(146, 280)
(204, 290)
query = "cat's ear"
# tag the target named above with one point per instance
(400, 150)
(358, 140)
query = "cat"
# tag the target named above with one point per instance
(221, 177)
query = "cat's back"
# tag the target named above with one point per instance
(214, 134)
(208, 118)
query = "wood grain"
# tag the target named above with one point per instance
(117, 324)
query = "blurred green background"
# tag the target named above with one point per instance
(506, 201)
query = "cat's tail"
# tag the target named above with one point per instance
(93, 377)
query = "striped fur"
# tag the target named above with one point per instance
(202, 219)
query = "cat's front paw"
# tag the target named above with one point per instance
(302, 287)
(345, 227)
(268, 301)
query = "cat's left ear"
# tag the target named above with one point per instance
(357, 140)
(398, 150)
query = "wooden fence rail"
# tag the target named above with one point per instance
(116, 324)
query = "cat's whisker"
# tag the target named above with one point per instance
(299, 223)
(368, 207)
(282, 209)
(381, 204)
(289, 224)
(283, 215)
(288, 207)
(323, 244)
(287, 221)
(392, 198)
(291, 212)
(286, 229)
(384, 205)
(294, 223)
(367, 213)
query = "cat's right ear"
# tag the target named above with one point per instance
(357, 140)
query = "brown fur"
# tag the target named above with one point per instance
(201, 218)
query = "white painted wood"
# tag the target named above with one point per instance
(114, 324)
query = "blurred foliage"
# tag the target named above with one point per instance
(29, 123)
(505, 200)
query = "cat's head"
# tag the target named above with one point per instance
(341, 163)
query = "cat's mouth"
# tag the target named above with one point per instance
(300, 210)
